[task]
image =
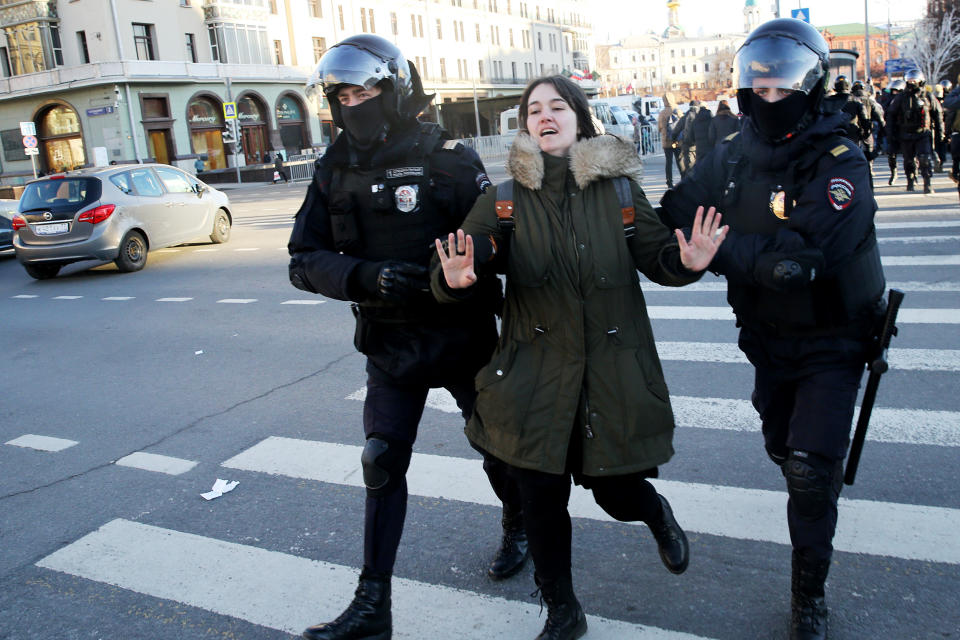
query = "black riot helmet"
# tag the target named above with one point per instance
(784, 53)
(914, 78)
(842, 85)
(367, 61)
(857, 89)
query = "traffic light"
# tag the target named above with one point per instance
(229, 136)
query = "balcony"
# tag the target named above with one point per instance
(56, 80)
(11, 15)
(213, 10)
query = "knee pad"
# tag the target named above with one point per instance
(813, 483)
(385, 464)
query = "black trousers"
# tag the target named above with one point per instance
(671, 155)
(544, 497)
(393, 410)
(809, 411)
(917, 149)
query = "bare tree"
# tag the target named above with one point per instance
(935, 45)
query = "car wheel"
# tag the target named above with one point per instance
(133, 252)
(221, 227)
(42, 271)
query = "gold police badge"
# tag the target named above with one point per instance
(778, 204)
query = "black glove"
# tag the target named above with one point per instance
(788, 271)
(298, 276)
(393, 280)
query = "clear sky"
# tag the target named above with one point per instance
(620, 18)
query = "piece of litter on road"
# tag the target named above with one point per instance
(196, 353)
(220, 487)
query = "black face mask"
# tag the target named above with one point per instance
(776, 119)
(365, 122)
(913, 88)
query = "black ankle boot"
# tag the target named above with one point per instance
(513, 551)
(565, 618)
(809, 609)
(367, 617)
(909, 184)
(893, 176)
(674, 548)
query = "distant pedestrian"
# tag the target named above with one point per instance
(666, 121)
(723, 124)
(198, 165)
(278, 169)
(701, 133)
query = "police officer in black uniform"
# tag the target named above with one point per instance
(864, 95)
(858, 127)
(916, 120)
(803, 277)
(891, 144)
(381, 193)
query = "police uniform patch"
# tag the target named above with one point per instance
(840, 193)
(777, 206)
(406, 197)
(405, 172)
(483, 182)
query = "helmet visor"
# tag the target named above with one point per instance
(777, 62)
(346, 65)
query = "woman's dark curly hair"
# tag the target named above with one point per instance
(571, 93)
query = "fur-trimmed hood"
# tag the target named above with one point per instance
(591, 159)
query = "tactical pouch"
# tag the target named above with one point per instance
(362, 332)
(343, 222)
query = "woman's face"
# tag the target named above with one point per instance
(551, 122)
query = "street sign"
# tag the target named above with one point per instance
(899, 65)
(29, 141)
(31, 151)
(28, 128)
(801, 14)
(229, 110)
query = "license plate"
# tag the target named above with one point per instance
(51, 229)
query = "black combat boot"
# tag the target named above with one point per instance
(674, 549)
(513, 551)
(809, 609)
(565, 618)
(893, 176)
(926, 186)
(367, 617)
(910, 184)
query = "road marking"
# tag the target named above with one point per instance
(204, 250)
(119, 298)
(906, 316)
(930, 224)
(900, 359)
(167, 251)
(236, 301)
(905, 531)
(721, 285)
(903, 426)
(289, 593)
(42, 443)
(284, 222)
(173, 299)
(67, 297)
(155, 462)
(920, 261)
(919, 239)
(24, 296)
(248, 249)
(303, 302)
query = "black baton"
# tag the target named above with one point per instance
(877, 366)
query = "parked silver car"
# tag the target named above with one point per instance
(8, 209)
(114, 213)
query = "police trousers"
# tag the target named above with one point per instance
(916, 148)
(392, 412)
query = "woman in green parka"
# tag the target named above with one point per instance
(575, 387)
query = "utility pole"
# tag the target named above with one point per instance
(235, 128)
(866, 49)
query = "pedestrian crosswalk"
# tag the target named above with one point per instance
(891, 547)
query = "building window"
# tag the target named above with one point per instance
(439, 30)
(340, 14)
(480, 66)
(316, 11)
(393, 23)
(277, 52)
(319, 47)
(191, 47)
(420, 26)
(239, 43)
(478, 32)
(143, 41)
(706, 67)
(82, 46)
(367, 14)
(214, 44)
(273, 7)
(443, 69)
(694, 68)
(511, 39)
(540, 41)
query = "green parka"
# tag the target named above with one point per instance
(576, 356)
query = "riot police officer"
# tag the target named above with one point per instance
(858, 126)
(892, 145)
(864, 95)
(803, 277)
(381, 193)
(916, 120)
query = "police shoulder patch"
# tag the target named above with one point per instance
(839, 150)
(450, 144)
(840, 193)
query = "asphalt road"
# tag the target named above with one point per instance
(126, 396)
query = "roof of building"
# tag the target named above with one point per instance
(850, 29)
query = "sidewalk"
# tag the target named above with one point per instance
(228, 186)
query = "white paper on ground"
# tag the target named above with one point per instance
(220, 487)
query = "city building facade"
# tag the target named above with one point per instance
(146, 80)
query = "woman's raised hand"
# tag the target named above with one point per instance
(457, 260)
(705, 237)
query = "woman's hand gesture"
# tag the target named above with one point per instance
(457, 260)
(705, 237)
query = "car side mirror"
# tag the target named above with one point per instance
(199, 189)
